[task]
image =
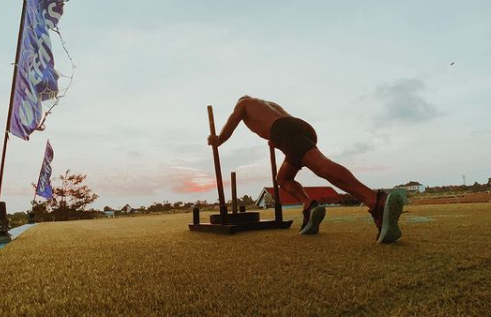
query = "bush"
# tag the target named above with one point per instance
(348, 200)
(66, 215)
(17, 219)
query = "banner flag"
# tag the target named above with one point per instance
(36, 79)
(43, 188)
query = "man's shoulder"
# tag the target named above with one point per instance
(252, 101)
(247, 102)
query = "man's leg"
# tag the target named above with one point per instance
(313, 214)
(385, 209)
(286, 180)
(339, 176)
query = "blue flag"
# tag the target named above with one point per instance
(43, 188)
(36, 80)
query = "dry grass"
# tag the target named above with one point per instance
(154, 266)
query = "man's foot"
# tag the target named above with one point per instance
(386, 213)
(390, 231)
(312, 218)
(377, 211)
(306, 213)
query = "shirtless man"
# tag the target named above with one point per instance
(297, 140)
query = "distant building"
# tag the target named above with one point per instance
(413, 186)
(109, 213)
(400, 191)
(324, 195)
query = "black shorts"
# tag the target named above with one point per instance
(294, 137)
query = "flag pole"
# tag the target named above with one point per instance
(12, 92)
(37, 185)
(30, 215)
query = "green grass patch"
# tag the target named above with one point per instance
(154, 266)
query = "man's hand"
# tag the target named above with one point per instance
(213, 140)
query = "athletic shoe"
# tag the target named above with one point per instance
(389, 231)
(306, 213)
(315, 217)
(378, 211)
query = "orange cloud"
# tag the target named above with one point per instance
(179, 179)
(187, 180)
(192, 186)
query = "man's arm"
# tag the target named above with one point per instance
(230, 126)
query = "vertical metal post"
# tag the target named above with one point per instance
(4, 224)
(12, 92)
(218, 170)
(30, 215)
(4, 221)
(278, 210)
(195, 216)
(234, 192)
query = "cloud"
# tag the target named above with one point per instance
(176, 179)
(185, 179)
(119, 184)
(187, 186)
(356, 149)
(367, 169)
(179, 176)
(19, 191)
(250, 163)
(481, 132)
(133, 154)
(189, 180)
(253, 174)
(244, 156)
(403, 103)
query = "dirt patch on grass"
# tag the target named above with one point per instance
(452, 199)
(154, 266)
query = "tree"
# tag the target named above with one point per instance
(167, 206)
(73, 193)
(178, 205)
(17, 219)
(246, 201)
(476, 187)
(156, 207)
(126, 208)
(201, 203)
(41, 211)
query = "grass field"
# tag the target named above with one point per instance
(154, 266)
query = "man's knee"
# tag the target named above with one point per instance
(283, 181)
(280, 180)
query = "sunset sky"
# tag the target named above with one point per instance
(374, 78)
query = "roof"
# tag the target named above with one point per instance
(322, 194)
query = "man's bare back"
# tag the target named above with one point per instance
(258, 115)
